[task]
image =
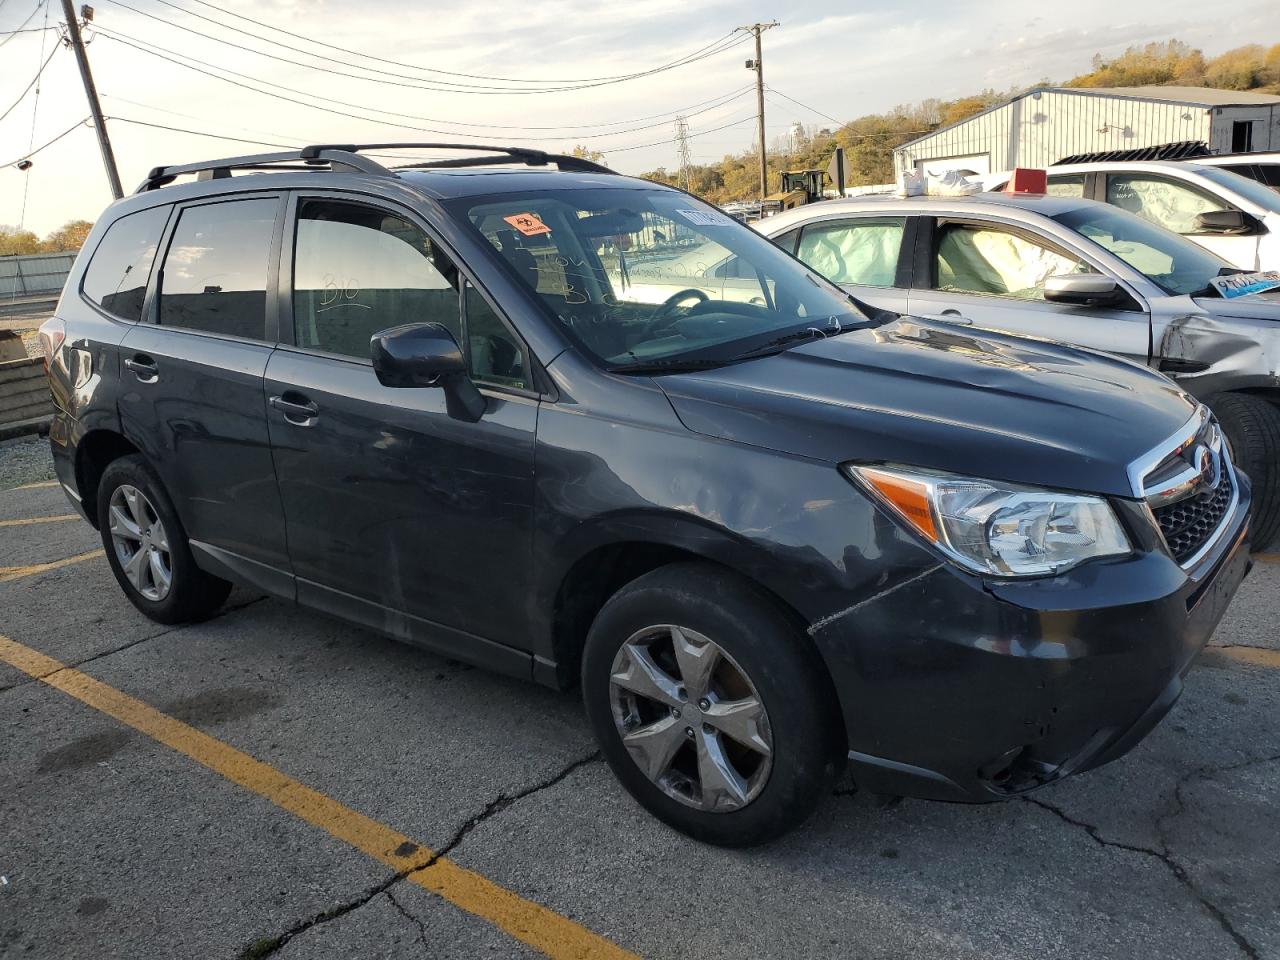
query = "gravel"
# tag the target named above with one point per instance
(26, 460)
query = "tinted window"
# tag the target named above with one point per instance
(117, 276)
(358, 270)
(215, 273)
(863, 251)
(497, 355)
(987, 260)
(1172, 205)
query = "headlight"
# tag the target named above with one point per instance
(997, 528)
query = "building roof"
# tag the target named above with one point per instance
(1201, 96)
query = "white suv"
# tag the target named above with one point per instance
(1235, 217)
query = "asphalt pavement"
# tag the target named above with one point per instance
(274, 783)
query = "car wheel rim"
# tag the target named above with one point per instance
(691, 718)
(141, 543)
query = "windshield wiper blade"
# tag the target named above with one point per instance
(666, 366)
(795, 338)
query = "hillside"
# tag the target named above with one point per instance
(869, 141)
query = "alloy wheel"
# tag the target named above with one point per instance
(141, 543)
(691, 718)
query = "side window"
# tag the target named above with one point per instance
(117, 276)
(1066, 185)
(358, 270)
(215, 271)
(496, 354)
(787, 241)
(972, 259)
(863, 251)
(1171, 205)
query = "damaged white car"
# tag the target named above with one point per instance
(1077, 271)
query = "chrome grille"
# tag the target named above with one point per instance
(1189, 524)
(1189, 485)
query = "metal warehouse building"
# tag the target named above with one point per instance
(1048, 125)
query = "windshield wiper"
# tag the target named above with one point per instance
(795, 338)
(670, 365)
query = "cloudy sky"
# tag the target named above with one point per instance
(832, 60)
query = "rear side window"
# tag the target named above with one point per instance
(1173, 206)
(215, 272)
(1066, 185)
(117, 276)
(863, 251)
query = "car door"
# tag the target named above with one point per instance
(864, 254)
(191, 380)
(1174, 205)
(397, 514)
(987, 273)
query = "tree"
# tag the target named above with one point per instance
(1154, 63)
(583, 152)
(70, 236)
(15, 242)
(1240, 69)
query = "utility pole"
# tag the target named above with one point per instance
(90, 91)
(758, 66)
(682, 151)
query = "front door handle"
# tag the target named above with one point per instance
(948, 316)
(299, 411)
(143, 367)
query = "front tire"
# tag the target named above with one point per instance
(147, 547)
(710, 706)
(1252, 426)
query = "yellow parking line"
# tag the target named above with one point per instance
(529, 922)
(1267, 557)
(15, 573)
(30, 520)
(1255, 656)
(37, 486)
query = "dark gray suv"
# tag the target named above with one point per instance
(472, 404)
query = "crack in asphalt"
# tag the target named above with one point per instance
(1164, 855)
(76, 664)
(422, 927)
(267, 946)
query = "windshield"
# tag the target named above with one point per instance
(654, 277)
(1251, 190)
(1168, 260)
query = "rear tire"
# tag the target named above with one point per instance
(736, 755)
(148, 549)
(1252, 425)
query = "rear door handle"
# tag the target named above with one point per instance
(299, 411)
(143, 367)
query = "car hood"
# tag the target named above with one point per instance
(1258, 306)
(932, 395)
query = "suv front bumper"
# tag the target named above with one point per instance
(956, 688)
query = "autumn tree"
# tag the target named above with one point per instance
(1243, 68)
(70, 236)
(15, 242)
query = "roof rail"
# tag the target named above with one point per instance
(315, 158)
(525, 155)
(324, 156)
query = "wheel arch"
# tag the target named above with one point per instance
(96, 451)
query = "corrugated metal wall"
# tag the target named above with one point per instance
(33, 275)
(1043, 127)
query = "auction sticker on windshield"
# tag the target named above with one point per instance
(528, 223)
(1243, 284)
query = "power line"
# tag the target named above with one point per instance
(201, 133)
(398, 63)
(111, 35)
(34, 80)
(826, 116)
(31, 16)
(692, 136)
(31, 153)
(439, 86)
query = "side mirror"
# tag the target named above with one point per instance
(1083, 290)
(426, 355)
(1223, 222)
